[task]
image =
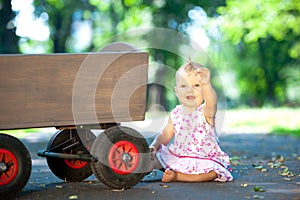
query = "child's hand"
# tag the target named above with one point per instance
(203, 75)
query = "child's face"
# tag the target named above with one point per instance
(188, 90)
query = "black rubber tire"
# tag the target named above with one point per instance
(58, 166)
(100, 148)
(18, 149)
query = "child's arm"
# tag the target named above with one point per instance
(164, 137)
(209, 94)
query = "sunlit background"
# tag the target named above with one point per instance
(252, 46)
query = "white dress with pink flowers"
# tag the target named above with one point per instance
(195, 149)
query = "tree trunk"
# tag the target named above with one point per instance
(8, 38)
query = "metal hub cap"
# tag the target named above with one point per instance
(123, 157)
(8, 166)
(3, 167)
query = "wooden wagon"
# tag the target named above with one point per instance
(75, 93)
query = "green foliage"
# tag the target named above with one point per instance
(286, 131)
(266, 39)
(254, 43)
(251, 20)
(8, 38)
(62, 15)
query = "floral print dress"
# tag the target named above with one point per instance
(195, 149)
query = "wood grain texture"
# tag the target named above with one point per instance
(72, 89)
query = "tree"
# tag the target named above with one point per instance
(266, 36)
(173, 15)
(62, 15)
(8, 38)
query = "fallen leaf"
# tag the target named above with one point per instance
(286, 169)
(59, 186)
(234, 162)
(258, 189)
(280, 158)
(163, 185)
(73, 197)
(244, 185)
(286, 172)
(234, 158)
(275, 165)
(117, 190)
(258, 197)
(257, 166)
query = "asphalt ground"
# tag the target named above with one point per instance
(264, 166)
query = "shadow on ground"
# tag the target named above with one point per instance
(264, 167)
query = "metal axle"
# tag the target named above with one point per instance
(83, 157)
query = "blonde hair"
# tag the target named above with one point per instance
(189, 67)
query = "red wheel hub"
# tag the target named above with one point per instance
(75, 164)
(123, 157)
(8, 166)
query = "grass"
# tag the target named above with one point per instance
(272, 120)
(21, 133)
(283, 121)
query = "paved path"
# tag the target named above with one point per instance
(264, 167)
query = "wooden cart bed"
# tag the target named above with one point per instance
(58, 90)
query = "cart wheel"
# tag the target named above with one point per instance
(123, 157)
(15, 166)
(68, 141)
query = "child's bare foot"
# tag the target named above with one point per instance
(168, 176)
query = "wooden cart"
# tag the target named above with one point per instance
(75, 93)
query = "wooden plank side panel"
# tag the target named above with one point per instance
(68, 89)
(120, 94)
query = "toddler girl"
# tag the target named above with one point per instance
(195, 155)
